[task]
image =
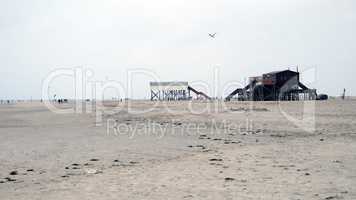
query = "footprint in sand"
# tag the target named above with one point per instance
(229, 179)
(216, 160)
(14, 173)
(8, 179)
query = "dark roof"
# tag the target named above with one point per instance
(277, 72)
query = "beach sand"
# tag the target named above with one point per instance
(180, 150)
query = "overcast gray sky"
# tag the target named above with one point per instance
(171, 39)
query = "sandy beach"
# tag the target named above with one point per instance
(237, 150)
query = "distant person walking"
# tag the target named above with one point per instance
(343, 94)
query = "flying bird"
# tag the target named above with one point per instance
(212, 35)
